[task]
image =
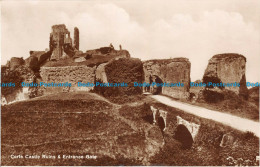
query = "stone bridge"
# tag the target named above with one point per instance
(186, 131)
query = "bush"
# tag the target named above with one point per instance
(124, 70)
(88, 56)
(212, 96)
(249, 135)
(10, 76)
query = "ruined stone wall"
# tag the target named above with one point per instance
(227, 68)
(16, 62)
(170, 71)
(71, 74)
(107, 51)
(37, 58)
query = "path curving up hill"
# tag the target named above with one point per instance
(235, 122)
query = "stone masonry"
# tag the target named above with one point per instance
(227, 68)
(170, 71)
(70, 74)
(59, 39)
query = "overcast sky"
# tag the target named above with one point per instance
(196, 29)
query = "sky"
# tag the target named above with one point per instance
(195, 29)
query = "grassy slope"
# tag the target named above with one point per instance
(79, 124)
(84, 123)
(233, 105)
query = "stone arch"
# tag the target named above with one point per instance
(192, 127)
(161, 123)
(157, 89)
(184, 136)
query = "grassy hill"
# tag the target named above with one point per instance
(71, 124)
(118, 133)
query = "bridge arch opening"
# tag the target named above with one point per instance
(183, 135)
(161, 123)
(157, 89)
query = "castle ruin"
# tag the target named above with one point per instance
(101, 64)
(61, 42)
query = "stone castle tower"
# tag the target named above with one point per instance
(76, 38)
(61, 42)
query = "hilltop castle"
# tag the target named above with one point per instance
(61, 46)
(64, 62)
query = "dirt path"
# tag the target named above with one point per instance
(235, 122)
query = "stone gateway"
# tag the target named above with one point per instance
(175, 70)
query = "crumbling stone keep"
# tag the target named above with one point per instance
(59, 37)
